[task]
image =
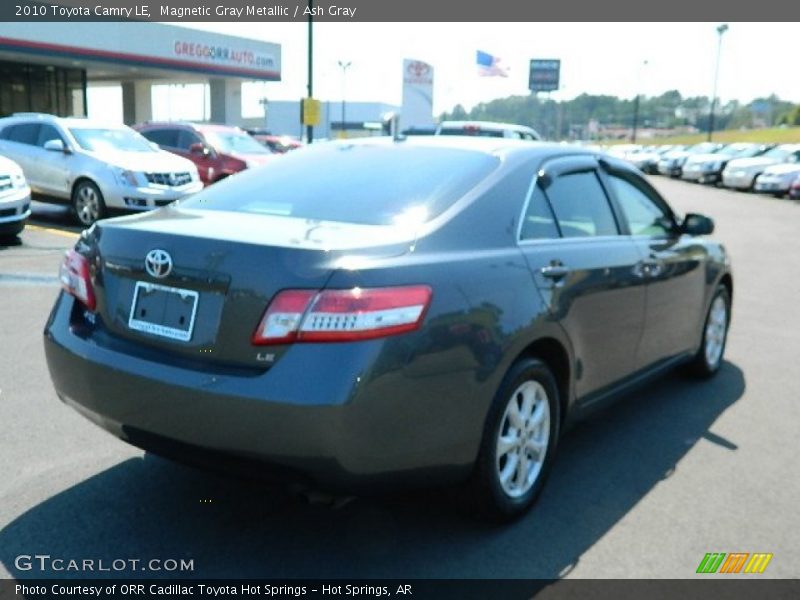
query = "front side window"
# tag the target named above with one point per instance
(187, 138)
(47, 133)
(644, 216)
(162, 137)
(581, 206)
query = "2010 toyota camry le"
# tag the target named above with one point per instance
(381, 311)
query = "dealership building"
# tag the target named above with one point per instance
(47, 67)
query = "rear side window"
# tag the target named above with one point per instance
(162, 137)
(373, 184)
(538, 222)
(24, 133)
(581, 205)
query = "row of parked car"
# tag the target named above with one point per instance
(767, 168)
(96, 167)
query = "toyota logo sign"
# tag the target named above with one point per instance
(158, 263)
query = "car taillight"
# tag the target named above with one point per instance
(75, 278)
(342, 315)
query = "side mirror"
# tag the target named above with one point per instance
(198, 148)
(695, 224)
(56, 146)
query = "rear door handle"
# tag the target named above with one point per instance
(554, 271)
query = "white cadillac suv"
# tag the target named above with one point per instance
(94, 166)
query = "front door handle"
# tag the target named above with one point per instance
(648, 268)
(555, 271)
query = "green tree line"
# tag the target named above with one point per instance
(570, 119)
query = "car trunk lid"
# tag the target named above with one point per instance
(225, 268)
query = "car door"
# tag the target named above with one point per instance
(53, 167)
(674, 268)
(588, 274)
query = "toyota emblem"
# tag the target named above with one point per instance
(158, 263)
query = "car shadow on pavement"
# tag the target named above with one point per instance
(150, 508)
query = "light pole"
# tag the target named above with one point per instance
(310, 128)
(636, 102)
(344, 66)
(720, 30)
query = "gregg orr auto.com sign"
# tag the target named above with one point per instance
(222, 54)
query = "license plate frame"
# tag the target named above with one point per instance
(159, 329)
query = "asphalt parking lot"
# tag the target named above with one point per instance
(643, 490)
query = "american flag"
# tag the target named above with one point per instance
(489, 66)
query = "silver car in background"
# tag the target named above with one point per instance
(707, 168)
(15, 198)
(777, 179)
(94, 166)
(741, 173)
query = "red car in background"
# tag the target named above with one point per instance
(217, 150)
(280, 144)
(794, 189)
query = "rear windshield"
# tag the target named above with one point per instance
(469, 130)
(371, 184)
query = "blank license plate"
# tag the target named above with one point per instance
(164, 311)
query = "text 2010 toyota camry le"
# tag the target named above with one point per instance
(419, 310)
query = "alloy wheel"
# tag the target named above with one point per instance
(523, 439)
(715, 331)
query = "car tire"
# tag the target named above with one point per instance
(523, 421)
(88, 204)
(707, 361)
(11, 230)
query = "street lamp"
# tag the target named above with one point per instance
(636, 102)
(721, 29)
(344, 66)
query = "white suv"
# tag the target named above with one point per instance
(94, 166)
(15, 198)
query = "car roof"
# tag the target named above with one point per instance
(215, 127)
(503, 147)
(68, 122)
(188, 125)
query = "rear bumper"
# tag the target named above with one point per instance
(331, 413)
